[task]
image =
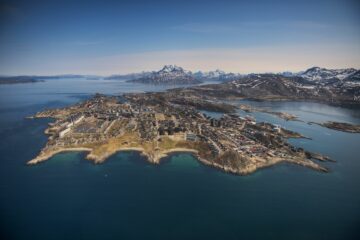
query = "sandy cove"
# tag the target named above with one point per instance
(151, 157)
(45, 156)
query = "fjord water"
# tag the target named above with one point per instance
(68, 197)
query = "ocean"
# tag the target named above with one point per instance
(68, 197)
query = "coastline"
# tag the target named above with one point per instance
(339, 126)
(225, 154)
(155, 158)
(253, 167)
(43, 157)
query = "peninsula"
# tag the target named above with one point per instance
(157, 124)
(283, 115)
(340, 126)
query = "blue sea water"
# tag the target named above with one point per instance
(68, 197)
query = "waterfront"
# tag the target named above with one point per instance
(126, 197)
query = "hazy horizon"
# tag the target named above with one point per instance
(161, 66)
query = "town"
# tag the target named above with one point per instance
(157, 124)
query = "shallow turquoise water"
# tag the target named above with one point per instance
(68, 197)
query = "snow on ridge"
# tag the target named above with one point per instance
(319, 74)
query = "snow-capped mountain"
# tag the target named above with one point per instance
(354, 77)
(216, 75)
(173, 70)
(339, 78)
(322, 74)
(289, 74)
(172, 74)
(169, 74)
(273, 86)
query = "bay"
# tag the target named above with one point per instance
(69, 197)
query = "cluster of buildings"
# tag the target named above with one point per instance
(151, 116)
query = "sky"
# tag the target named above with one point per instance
(117, 37)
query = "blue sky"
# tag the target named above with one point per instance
(106, 37)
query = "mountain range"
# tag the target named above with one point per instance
(314, 81)
(325, 76)
(331, 89)
(169, 74)
(337, 86)
(172, 74)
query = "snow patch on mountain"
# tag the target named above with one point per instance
(321, 74)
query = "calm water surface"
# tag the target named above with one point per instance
(68, 197)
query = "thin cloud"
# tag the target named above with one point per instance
(246, 26)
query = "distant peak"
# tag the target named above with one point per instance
(315, 68)
(219, 71)
(171, 68)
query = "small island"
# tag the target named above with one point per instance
(157, 124)
(283, 115)
(340, 126)
(19, 80)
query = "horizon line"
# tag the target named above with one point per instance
(192, 71)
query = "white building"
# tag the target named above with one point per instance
(64, 132)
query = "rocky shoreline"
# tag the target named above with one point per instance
(156, 127)
(283, 115)
(156, 159)
(340, 126)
